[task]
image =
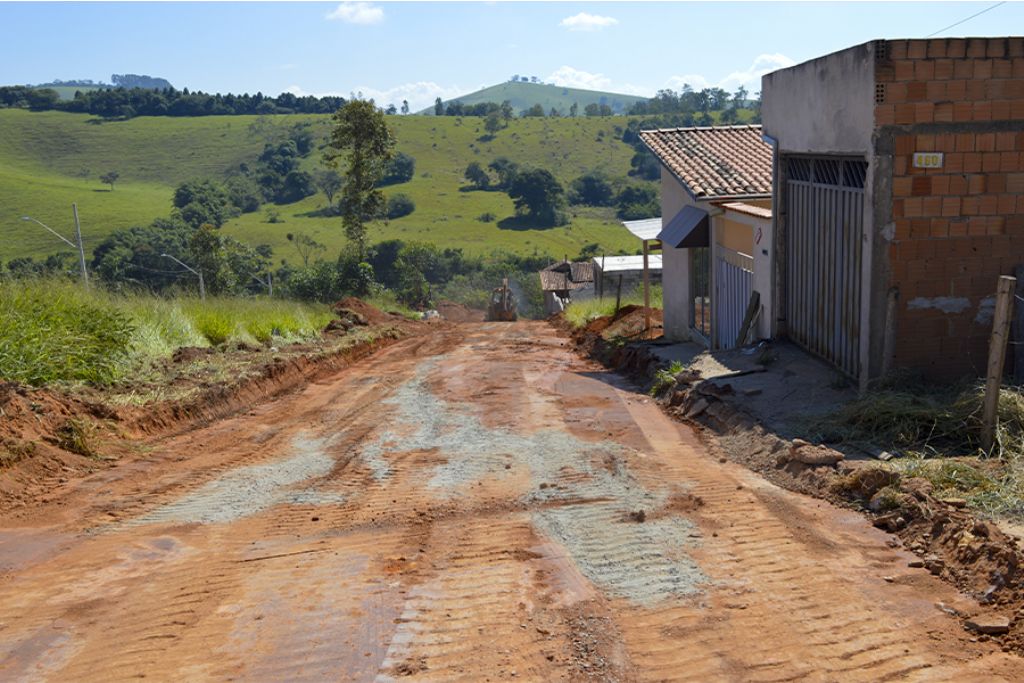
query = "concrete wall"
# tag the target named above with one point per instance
(734, 235)
(825, 106)
(675, 265)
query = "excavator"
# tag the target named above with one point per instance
(503, 304)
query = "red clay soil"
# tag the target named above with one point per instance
(373, 315)
(47, 438)
(460, 313)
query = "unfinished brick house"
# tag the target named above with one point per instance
(899, 185)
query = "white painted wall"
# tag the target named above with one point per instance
(675, 265)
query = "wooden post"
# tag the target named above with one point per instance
(1018, 328)
(618, 295)
(647, 297)
(753, 306)
(996, 356)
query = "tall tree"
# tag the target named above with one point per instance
(405, 106)
(363, 144)
(438, 107)
(110, 178)
(538, 194)
(492, 124)
(329, 181)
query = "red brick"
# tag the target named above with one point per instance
(901, 187)
(920, 229)
(988, 204)
(969, 206)
(924, 70)
(924, 143)
(958, 228)
(902, 228)
(898, 208)
(1013, 88)
(943, 69)
(884, 115)
(916, 91)
(956, 90)
(924, 112)
(1011, 161)
(1015, 47)
(940, 184)
(917, 49)
(965, 142)
(896, 92)
(903, 69)
(972, 162)
(985, 142)
(990, 162)
(977, 89)
(904, 113)
(976, 184)
(884, 73)
(982, 111)
(997, 226)
(977, 47)
(957, 183)
(1020, 206)
(944, 112)
(996, 47)
(1007, 203)
(936, 48)
(1001, 110)
(932, 206)
(1002, 68)
(913, 207)
(1017, 69)
(897, 49)
(1015, 183)
(904, 144)
(976, 227)
(996, 182)
(936, 90)
(939, 228)
(950, 206)
(956, 48)
(945, 142)
(963, 111)
(899, 166)
(1017, 109)
(921, 186)
(963, 69)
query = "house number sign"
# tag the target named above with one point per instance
(928, 159)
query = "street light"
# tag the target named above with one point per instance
(78, 238)
(202, 285)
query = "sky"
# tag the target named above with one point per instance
(417, 51)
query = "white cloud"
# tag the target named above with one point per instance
(357, 13)
(587, 22)
(568, 77)
(420, 94)
(749, 79)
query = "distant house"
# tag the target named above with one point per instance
(624, 274)
(900, 169)
(716, 233)
(565, 281)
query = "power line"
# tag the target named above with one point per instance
(977, 14)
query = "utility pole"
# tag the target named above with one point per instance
(65, 240)
(81, 248)
(202, 285)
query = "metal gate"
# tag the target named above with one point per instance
(824, 224)
(734, 278)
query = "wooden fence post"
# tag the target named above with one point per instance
(996, 357)
(1018, 328)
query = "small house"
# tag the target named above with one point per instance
(564, 281)
(624, 275)
(716, 233)
(900, 196)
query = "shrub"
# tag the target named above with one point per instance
(400, 205)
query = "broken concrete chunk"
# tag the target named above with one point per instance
(989, 624)
(697, 408)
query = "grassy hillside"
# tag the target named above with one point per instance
(524, 95)
(49, 160)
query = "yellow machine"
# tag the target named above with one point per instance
(503, 304)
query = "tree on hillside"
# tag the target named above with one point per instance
(400, 169)
(507, 112)
(438, 107)
(592, 189)
(405, 106)
(198, 202)
(538, 194)
(391, 110)
(306, 246)
(476, 174)
(506, 170)
(535, 110)
(361, 141)
(492, 124)
(740, 98)
(574, 109)
(329, 181)
(110, 178)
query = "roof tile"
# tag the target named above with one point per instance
(716, 162)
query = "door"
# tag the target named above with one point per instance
(824, 228)
(734, 281)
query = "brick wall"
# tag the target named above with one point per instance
(958, 227)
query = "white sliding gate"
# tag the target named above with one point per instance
(734, 279)
(823, 233)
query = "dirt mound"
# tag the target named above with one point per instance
(459, 313)
(371, 313)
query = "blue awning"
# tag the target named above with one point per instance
(689, 228)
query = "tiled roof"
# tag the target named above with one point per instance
(748, 209)
(565, 276)
(715, 163)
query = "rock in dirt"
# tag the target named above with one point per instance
(989, 624)
(803, 452)
(697, 408)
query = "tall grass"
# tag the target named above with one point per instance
(52, 330)
(579, 313)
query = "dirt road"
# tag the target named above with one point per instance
(473, 504)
